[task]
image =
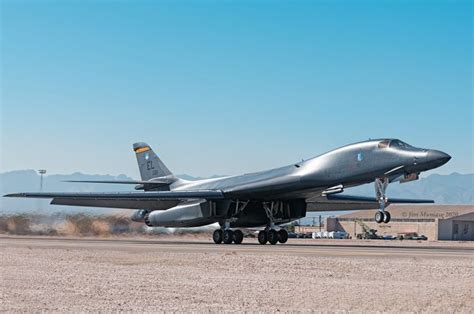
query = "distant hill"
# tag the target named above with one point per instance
(444, 189)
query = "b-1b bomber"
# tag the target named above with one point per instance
(266, 199)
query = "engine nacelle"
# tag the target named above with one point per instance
(139, 215)
(189, 215)
(205, 213)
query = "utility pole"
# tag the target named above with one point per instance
(41, 172)
(40, 202)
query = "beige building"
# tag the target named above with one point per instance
(437, 222)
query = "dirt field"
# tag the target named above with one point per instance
(56, 274)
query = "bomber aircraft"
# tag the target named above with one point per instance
(264, 199)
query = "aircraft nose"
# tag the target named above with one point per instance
(438, 157)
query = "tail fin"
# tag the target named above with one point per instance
(149, 164)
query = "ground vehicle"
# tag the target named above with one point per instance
(367, 233)
(411, 236)
(338, 235)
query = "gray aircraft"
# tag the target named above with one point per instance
(263, 199)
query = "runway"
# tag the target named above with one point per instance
(295, 247)
(183, 274)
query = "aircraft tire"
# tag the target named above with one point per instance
(228, 236)
(238, 236)
(217, 236)
(273, 237)
(386, 217)
(379, 217)
(262, 237)
(282, 236)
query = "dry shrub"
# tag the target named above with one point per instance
(3, 225)
(82, 224)
(100, 228)
(18, 224)
(77, 225)
(66, 228)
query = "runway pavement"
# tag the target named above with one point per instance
(294, 247)
(192, 274)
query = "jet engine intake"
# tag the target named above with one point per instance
(139, 215)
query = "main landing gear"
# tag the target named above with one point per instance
(236, 236)
(269, 234)
(228, 236)
(382, 216)
(272, 236)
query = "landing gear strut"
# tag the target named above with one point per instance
(270, 235)
(225, 234)
(380, 188)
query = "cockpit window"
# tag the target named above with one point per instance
(384, 144)
(400, 144)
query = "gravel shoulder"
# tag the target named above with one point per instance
(85, 276)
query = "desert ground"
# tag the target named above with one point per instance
(191, 274)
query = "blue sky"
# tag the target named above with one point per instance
(223, 87)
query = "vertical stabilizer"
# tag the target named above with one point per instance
(148, 162)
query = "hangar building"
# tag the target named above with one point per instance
(437, 222)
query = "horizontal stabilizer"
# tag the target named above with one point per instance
(154, 182)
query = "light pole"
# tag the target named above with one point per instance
(41, 172)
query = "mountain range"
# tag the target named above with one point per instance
(454, 188)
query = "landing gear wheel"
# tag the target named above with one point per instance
(282, 236)
(228, 236)
(379, 217)
(262, 237)
(273, 237)
(238, 236)
(217, 236)
(386, 217)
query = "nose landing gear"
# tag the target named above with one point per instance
(381, 216)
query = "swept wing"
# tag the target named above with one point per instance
(133, 200)
(339, 202)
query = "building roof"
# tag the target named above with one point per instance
(416, 212)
